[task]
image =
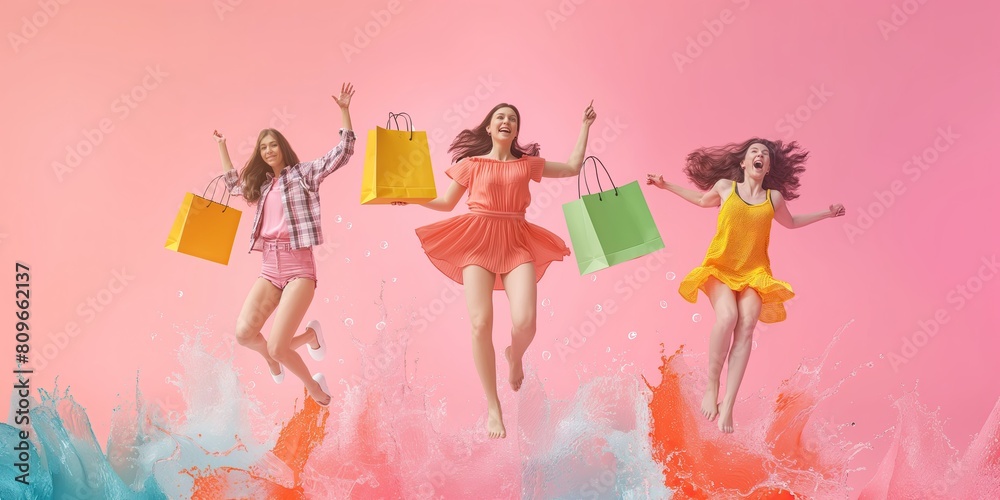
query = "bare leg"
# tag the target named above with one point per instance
(295, 300)
(479, 299)
(260, 303)
(724, 303)
(522, 294)
(749, 305)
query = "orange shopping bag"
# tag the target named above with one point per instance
(205, 228)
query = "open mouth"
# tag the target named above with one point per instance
(505, 129)
(758, 164)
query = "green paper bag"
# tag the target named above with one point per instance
(610, 227)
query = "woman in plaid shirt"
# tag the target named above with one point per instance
(285, 228)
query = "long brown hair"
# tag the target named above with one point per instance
(476, 142)
(705, 166)
(254, 174)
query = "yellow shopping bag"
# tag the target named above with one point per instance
(204, 228)
(397, 165)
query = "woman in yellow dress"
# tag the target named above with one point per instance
(750, 182)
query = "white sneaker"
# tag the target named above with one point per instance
(320, 352)
(280, 376)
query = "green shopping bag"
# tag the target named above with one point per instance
(610, 227)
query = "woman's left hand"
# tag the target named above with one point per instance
(589, 115)
(346, 92)
(837, 210)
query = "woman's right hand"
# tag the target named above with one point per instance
(219, 137)
(656, 180)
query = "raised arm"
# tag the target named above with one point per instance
(785, 218)
(708, 199)
(575, 162)
(444, 203)
(229, 174)
(315, 171)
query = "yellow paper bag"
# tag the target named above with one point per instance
(397, 166)
(204, 228)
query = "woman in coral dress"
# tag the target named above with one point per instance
(750, 182)
(493, 247)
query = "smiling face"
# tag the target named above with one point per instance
(503, 125)
(757, 161)
(271, 152)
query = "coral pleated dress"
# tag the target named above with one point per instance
(494, 234)
(738, 257)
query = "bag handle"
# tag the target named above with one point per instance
(213, 184)
(394, 117)
(597, 173)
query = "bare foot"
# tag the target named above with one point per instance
(710, 403)
(516, 371)
(726, 417)
(494, 424)
(316, 392)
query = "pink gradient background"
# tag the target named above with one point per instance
(889, 97)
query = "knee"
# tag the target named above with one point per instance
(245, 333)
(726, 317)
(278, 352)
(482, 325)
(524, 325)
(744, 329)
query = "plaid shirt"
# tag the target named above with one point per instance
(299, 194)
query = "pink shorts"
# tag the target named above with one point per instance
(282, 264)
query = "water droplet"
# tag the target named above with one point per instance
(632, 335)
(593, 278)
(252, 384)
(566, 341)
(394, 280)
(339, 219)
(336, 298)
(671, 276)
(608, 350)
(383, 245)
(546, 355)
(327, 300)
(598, 308)
(546, 302)
(341, 360)
(380, 326)
(696, 317)
(754, 346)
(852, 424)
(854, 373)
(180, 293)
(881, 356)
(368, 253)
(663, 304)
(256, 370)
(552, 313)
(153, 336)
(347, 260)
(348, 322)
(166, 379)
(350, 225)
(870, 364)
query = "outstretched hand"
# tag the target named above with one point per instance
(656, 180)
(218, 137)
(346, 92)
(837, 210)
(589, 115)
